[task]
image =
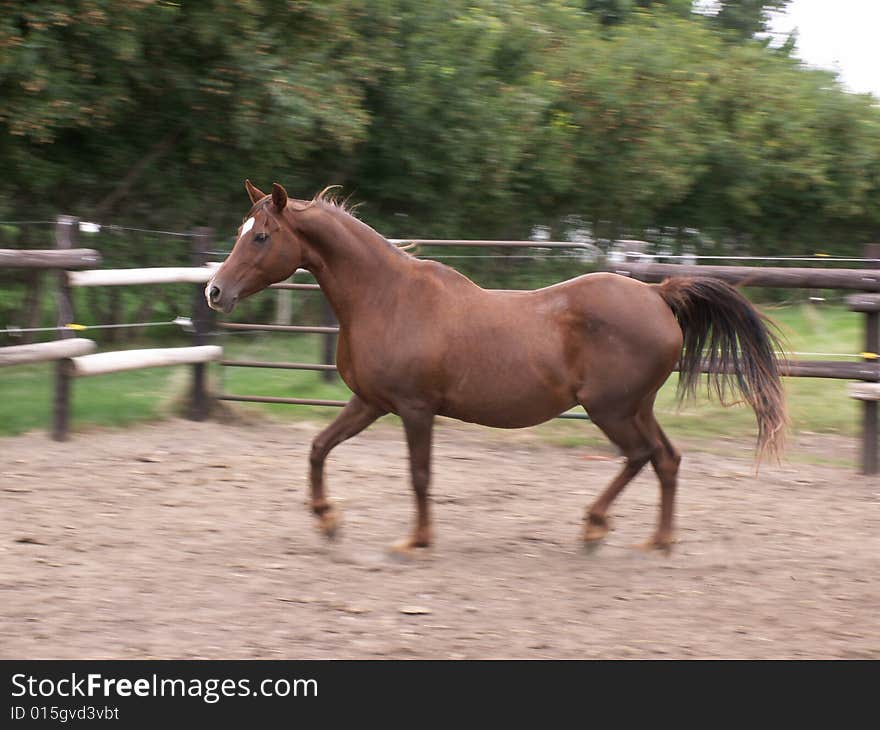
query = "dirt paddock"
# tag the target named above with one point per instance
(182, 540)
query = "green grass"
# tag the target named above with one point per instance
(123, 398)
(117, 399)
(281, 383)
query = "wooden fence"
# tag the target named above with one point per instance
(858, 280)
(76, 357)
(863, 280)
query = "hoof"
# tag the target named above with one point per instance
(409, 547)
(329, 521)
(663, 543)
(595, 528)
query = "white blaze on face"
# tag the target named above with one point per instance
(246, 226)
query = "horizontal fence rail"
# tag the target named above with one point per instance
(301, 329)
(443, 242)
(45, 351)
(295, 287)
(72, 258)
(866, 303)
(770, 276)
(834, 369)
(128, 277)
(274, 399)
(277, 365)
(865, 391)
(115, 362)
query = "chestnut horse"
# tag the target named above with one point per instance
(419, 339)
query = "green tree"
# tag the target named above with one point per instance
(612, 12)
(460, 118)
(745, 18)
(117, 108)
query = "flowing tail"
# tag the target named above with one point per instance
(726, 335)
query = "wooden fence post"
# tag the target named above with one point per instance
(872, 346)
(66, 235)
(284, 307)
(203, 324)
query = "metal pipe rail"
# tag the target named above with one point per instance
(295, 287)
(275, 399)
(277, 328)
(335, 403)
(866, 280)
(278, 365)
(443, 242)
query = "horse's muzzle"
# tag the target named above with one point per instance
(219, 299)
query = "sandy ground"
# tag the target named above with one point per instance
(183, 540)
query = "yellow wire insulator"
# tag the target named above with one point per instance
(869, 355)
(77, 327)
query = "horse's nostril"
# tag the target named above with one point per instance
(214, 293)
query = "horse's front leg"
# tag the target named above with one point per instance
(419, 426)
(353, 419)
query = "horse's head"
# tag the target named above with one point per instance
(266, 251)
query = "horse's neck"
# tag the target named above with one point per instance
(349, 260)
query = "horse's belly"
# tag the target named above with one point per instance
(508, 377)
(518, 406)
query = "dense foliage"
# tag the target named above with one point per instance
(455, 118)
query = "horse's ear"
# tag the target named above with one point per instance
(279, 197)
(255, 193)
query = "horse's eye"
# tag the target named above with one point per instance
(261, 237)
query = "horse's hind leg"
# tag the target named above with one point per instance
(419, 426)
(634, 441)
(353, 419)
(665, 462)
